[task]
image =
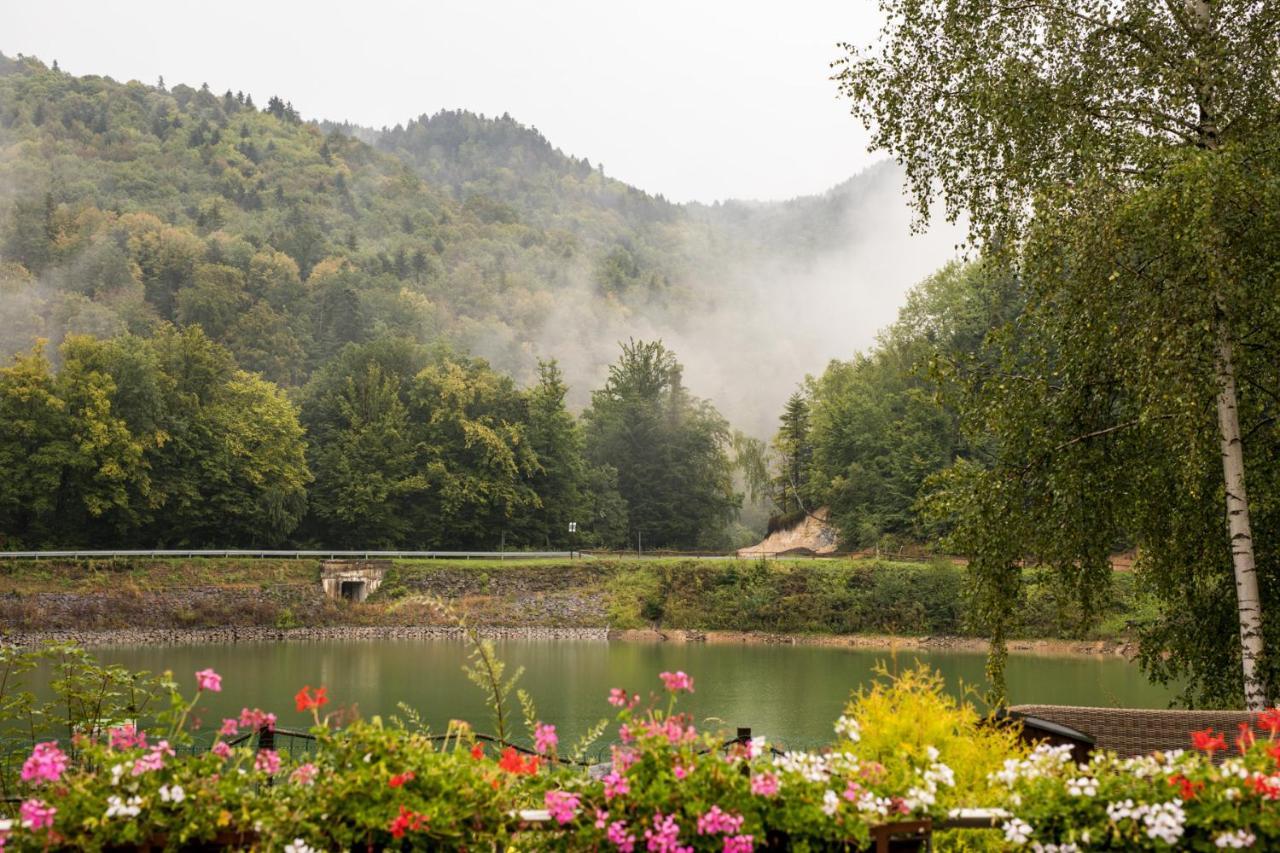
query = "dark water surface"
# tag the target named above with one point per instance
(790, 693)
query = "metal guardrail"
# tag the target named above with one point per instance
(315, 554)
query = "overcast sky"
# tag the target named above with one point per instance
(696, 100)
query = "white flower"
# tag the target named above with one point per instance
(830, 802)
(1085, 786)
(116, 772)
(117, 807)
(1164, 821)
(755, 747)
(869, 803)
(1231, 794)
(1238, 839)
(1017, 831)
(172, 795)
(299, 846)
(848, 727)
(940, 774)
(1066, 847)
(917, 797)
(810, 766)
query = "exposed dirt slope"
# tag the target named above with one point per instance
(814, 535)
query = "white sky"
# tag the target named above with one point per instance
(696, 100)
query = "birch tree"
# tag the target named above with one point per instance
(1019, 115)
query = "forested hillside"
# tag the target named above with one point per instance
(388, 306)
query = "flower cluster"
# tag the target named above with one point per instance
(1196, 799)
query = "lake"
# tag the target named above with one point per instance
(790, 693)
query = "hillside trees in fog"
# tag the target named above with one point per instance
(866, 436)
(671, 450)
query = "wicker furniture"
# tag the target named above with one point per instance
(1138, 731)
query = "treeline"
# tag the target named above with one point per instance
(867, 436)
(164, 441)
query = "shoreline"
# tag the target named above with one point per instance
(262, 634)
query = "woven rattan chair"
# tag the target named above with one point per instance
(1138, 731)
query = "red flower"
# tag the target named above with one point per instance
(1207, 741)
(1246, 738)
(1186, 788)
(1270, 720)
(406, 821)
(513, 762)
(1266, 786)
(477, 752)
(305, 701)
(400, 778)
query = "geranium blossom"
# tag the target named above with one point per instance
(406, 821)
(764, 785)
(512, 762)
(677, 681)
(400, 778)
(615, 785)
(305, 700)
(664, 837)
(153, 760)
(256, 719)
(267, 761)
(221, 749)
(717, 822)
(126, 737)
(562, 805)
(36, 814)
(1207, 741)
(739, 844)
(46, 764)
(619, 698)
(620, 838)
(172, 794)
(304, 774)
(544, 738)
(117, 807)
(207, 679)
(229, 728)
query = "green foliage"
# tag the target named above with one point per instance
(865, 436)
(669, 448)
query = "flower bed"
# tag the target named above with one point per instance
(903, 752)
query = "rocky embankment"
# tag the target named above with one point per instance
(251, 634)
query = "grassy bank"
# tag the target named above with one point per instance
(798, 597)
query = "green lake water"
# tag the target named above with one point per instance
(789, 693)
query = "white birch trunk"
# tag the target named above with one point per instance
(1248, 602)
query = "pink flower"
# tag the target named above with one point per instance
(618, 836)
(764, 785)
(602, 818)
(624, 733)
(229, 728)
(35, 814)
(154, 760)
(267, 761)
(305, 774)
(852, 791)
(544, 738)
(256, 719)
(739, 844)
(562, 805)
(676, 681)
(615, 785)
(623, 759)
(680, 772)
(221, 750)
(664, 837)
(207, 679)
(617, 697)
(47, 763)
(716, 822)
(127, 737)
